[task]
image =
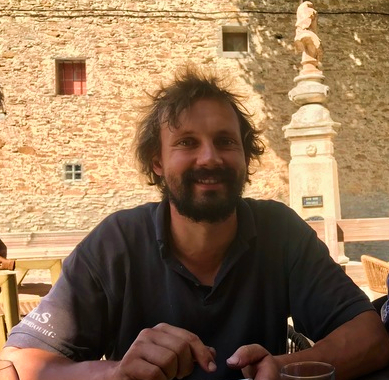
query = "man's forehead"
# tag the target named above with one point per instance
(193, 118)
(207, 108)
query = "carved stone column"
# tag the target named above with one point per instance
(313, 174)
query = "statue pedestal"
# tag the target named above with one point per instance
(313, 174)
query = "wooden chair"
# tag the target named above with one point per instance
(10, 314)
(3, 330)
(296, 341)
(23, 265)
(28, 298)
(13, 304)
(376, 271)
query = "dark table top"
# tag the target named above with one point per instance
(383, 374)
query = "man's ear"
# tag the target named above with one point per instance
(157, 166)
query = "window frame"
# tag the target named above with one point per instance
(234, 29)
(73, 172)
(79, 85)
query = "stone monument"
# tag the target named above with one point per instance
(313, 174)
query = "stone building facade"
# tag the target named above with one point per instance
(129, 47)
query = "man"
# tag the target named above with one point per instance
(3, 250)
(199, 286)
(383, 303)
(4, 262)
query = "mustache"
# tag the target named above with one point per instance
(220, 174)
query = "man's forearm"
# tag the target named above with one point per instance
(35, 364)
(359, 346)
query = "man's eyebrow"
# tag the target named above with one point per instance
(181, 132)
(227, 132)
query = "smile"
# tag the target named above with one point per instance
(208, 181)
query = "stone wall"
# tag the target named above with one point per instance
(129, 47)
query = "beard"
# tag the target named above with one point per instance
(211, 206)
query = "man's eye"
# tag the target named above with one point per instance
(186, 142)
(225, 141)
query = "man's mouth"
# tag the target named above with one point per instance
(209, 177)
(208, 181)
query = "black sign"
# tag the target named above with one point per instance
(315, 201)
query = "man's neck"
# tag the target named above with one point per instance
(202, 246)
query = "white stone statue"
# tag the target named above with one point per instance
(306, 39)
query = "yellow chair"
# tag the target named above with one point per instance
(376, 271)
(9, 304)
(30, 294)
(3, 331)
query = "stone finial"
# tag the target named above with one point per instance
(306, 39)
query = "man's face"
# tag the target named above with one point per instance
(203, 162)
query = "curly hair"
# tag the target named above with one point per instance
(167, 105)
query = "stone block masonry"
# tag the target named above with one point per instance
(129, 48)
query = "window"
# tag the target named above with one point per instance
(71, 77)
(73, 172)
(235, 38)
(235, 41)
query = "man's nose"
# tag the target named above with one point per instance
(208, 155)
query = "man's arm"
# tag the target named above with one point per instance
(160, 353)
(34, 364)
(359, 346)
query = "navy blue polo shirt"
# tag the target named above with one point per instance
(122, 278)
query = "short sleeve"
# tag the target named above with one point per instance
(71, 319)
(322, 296)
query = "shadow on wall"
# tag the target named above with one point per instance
(2, 110)
(269, 68)
(351, 33)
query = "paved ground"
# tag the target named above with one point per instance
(35, 276)
(36, 284)
(355, 270)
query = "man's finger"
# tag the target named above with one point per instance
(255, 362)
(202, 354)
(247, 355)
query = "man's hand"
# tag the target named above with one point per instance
(164, 352)
(255, 363)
